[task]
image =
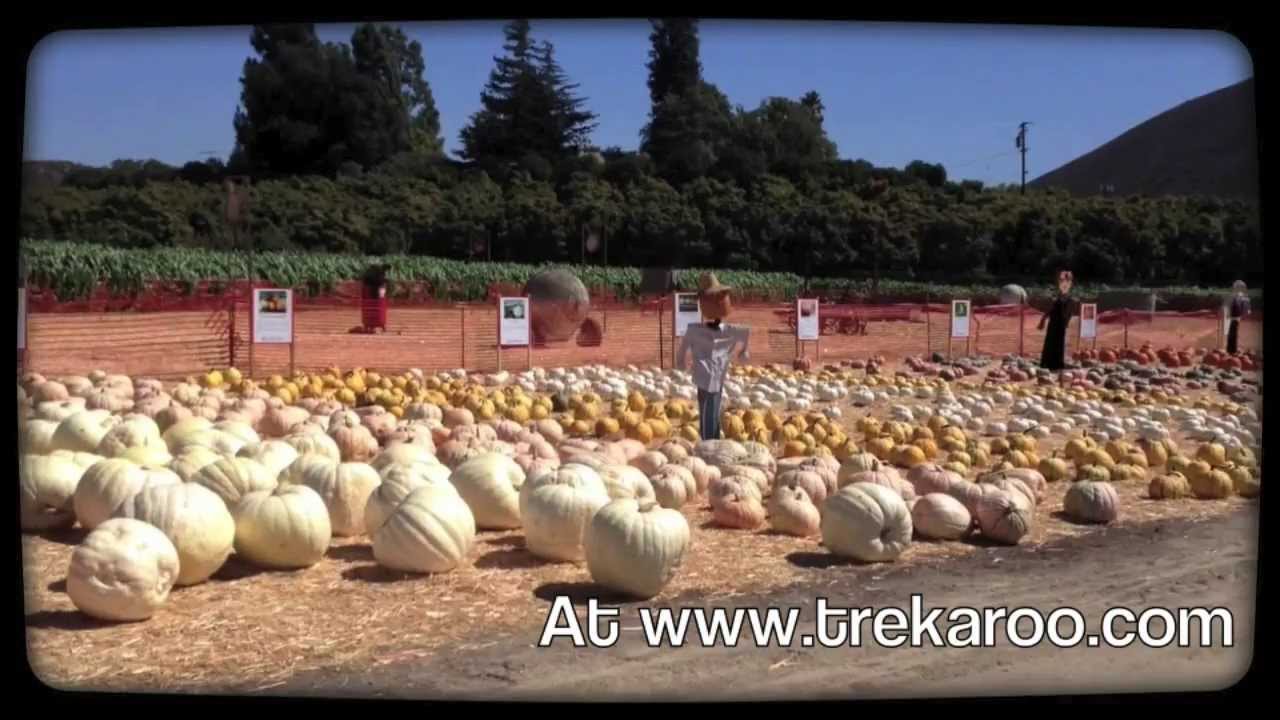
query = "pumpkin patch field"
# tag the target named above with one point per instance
(350, 532)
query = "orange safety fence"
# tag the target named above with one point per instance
(176, 337)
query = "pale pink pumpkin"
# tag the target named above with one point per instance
(792, 512)
(739, 510)
(1002, 518)
(813, 484)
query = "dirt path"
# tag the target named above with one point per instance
(1169, 564)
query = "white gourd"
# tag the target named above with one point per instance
(284, 528)
(195, 520)
(490, 485)
(867, 522)
(555, 507)
(939, 516)
(231, 478)
(635, 547)
(47, 486)
(83, 431)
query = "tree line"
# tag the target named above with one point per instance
(344, 146)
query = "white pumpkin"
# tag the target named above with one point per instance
(430, 531)
(177, 431)
(635, 547)
(83, 431)
(397, 482)
(231, 478)
(867, 522)
(345, 489)
(36, 436)
(792, 512)
(57, 411)
(490, 485)
(403, 454)
(195, 520)
(108, 486)
(625, 481)
(193, 461)
(308, 442)
(939, 516)
(241, 430)
(857, 463)
(47, 486)
(274, 455)
(284, 528)
(134, 432)
(555, 508)
(122, 571)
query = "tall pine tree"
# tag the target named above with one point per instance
(674, 67)
(385, 55)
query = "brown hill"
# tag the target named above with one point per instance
(1205, 146)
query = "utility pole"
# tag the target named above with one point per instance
(1021, 142)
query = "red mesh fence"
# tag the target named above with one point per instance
(183, 336)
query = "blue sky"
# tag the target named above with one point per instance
(893, 93)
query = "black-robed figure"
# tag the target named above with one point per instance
(1053, 357)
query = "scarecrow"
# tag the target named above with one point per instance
(1238, 309)
(712, 343)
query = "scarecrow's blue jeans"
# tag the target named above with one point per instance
(709, 414)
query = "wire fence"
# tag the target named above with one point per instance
(182, 335)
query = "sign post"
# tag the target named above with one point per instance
(513, 324)
(960, 312)
(1088, 323)
(272, 321)
(685, 311)
(22, 327)
(808, 324)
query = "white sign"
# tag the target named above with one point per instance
(272, 316)
(22, 318)
(513, 321)
(960, 318)
(807, 327)
(686, 312)
(1088, 320)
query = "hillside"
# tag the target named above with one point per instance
(1205, 146)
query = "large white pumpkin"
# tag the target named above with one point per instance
(403, 454)
(625, 481)
(490, 485)
(193, 461)
(867, 522)
(36, 436)
(122, 571)
(635, 547)
(284, 528)
(397, 482)
(430, 531)
(83, 431)
(939, 516)
(309, 442)
(195, 520)
(344, 487)
(231, 478)
(274, 455)
(47, 485)
(555, 508)
(110, 485)
(134, 432)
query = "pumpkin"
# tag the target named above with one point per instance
(555, 508)
(36, 436)
(1243, 481)
(186, 465)
(233, 478)
(137, 431)
(703, 473)
(1128, 473)
(881, 448)
(274, 455)
(1091, 502)
(283, 528)
(635, 547)
(345, 489)
(355, 442)
(195, 520)
(649, 462)
(108, 487)
(47, 486)
(1154, 452)
(1054, 469)
(813, 484)
(1093, 473)
(674, 452)
(938, 516)
(1032, 479)
(737, 508)
(625, 481)
(1014, 486)
(83, 431)
(792, 511)
(1002, 518)
(1178, 463)
(1098, 456)
(490, 485)
(673, 486)
(430, 531)
(1212, 453)
(867, 522)
(927, 478)
(122, 571)
(58, 411)
(1243, 457)
(315, 442)
(858, 463)
(1172, 486)
(909, 456)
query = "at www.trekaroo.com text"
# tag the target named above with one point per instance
(832, 626)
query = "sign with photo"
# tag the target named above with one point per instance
(513, 321)
(272, 316)
(960, 318)
(807, 326)
(687, 312)
(1088, 320)
(22, 318)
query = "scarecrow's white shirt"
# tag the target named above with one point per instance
(711, 349)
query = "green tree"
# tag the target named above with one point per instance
(674, 67)
(395, 64)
